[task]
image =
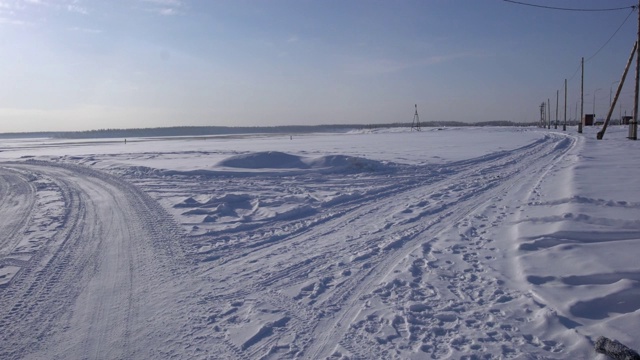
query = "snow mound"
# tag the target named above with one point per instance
(280, 160)
(264, 160)
(346, 162)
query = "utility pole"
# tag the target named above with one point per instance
(633, 127)
(582, 98)
(557, 99)
(564, 127)
(615, 99)
(549, 113)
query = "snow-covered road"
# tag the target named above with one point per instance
(251, 249)
(95, 257)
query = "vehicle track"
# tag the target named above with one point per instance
(388, 186)
(328, 267)
(117, 277)
(16, 204)
(99, 283)
(431, 224)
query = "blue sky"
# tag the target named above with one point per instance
(81, 64)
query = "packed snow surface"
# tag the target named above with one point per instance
(447, 243)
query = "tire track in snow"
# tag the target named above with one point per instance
(326, 285)
(16, 203)
(361, 206)
(100, 283)
(371, 207)
(450, 295)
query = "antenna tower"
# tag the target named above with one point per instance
(415, 125)
(543, 115)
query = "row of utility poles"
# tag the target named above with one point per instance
(545, 109)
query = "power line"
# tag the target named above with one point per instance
(603, 45)
(614, 34)
(575, 73)
(567, 9)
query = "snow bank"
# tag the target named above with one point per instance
(578, 238)
(279, 160)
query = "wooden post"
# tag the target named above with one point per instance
(549, 113)
(581, 99)
(633, 127)
(557, 100)
(615, 99)
(564, 127)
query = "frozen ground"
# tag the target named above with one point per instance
(454, 243)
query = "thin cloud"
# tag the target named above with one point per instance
(166, 11)
(86, 30)
(165, 2)
(164, 7)
(16, 22)
(14, 12)
(77, 9)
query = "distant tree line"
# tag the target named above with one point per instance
(226, 130)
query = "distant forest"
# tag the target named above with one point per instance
(224, 130)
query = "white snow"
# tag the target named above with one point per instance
(447, 243)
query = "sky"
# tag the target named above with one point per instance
(91, 64)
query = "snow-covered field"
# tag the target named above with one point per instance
(455, 243)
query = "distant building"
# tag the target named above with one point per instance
(626, 120)
(588, 119)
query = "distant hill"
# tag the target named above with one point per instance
(225, 130)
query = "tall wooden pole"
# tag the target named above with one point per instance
(620, 85)
(564, 127)
(555, 126)
(633, 128)
(581, 99)
(549, 113)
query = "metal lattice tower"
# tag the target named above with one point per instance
(415, 125)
